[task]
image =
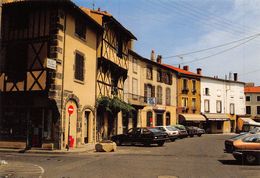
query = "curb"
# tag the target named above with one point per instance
(46, 151)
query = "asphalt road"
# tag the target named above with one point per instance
(198, 157)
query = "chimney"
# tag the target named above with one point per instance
(159, 59)
(251, 84)
(186, 68)
(235, 76)
(98, 9)
(199, 71)
(152, 55)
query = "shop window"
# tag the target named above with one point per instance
(168, 118)
(248, 109)
(79, 67)
(149, 118)
(219, 125)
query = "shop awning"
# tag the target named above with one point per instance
(217, 117)
(249, 121)
(193, 117)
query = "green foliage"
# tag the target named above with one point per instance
(113, 105)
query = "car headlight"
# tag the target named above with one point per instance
(155, 137)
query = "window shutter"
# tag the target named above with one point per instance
(145, 90)
(153, 91)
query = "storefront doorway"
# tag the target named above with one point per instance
(159, 119)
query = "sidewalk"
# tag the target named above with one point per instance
(88, 148)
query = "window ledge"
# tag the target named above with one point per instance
(80, 38)
(79, 81)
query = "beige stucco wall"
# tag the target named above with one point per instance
(84, 90)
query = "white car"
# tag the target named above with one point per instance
(172, 132)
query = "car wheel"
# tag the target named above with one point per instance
(146, 143)
(118, 142)
(250, 159)
(191, 135)
(160, 143)
(199, 135)
(237, 157)
(173, 139)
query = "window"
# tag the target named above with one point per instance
(219, 125)
(159, 76)
(119, 46)
(159, 95)
(184, 84)
(206, 106)
(20, 24)
(184, 102)
(168, 118)
(232, 108)
(80, 28)
(168, 96)
(219, 106)
(194, 86)
(79, 67)
(149, 73)
(135, 88)
(207, 91)
(193, 103)
(149, 94)
(135, 66)
(258, 110)
(167, 78)
(258, 98)
(248, 98)
(114, 88)
(17, 61)
(248, 109)
(149, 118)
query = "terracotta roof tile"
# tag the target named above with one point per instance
(180, 70)
(252, 89)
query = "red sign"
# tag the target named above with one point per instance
(70, 109)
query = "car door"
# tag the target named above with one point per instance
(138, 136)
(130, 135)
(252, 142)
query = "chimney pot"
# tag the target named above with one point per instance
(159, 59)
(199, 71)
(99, 9)
(186, 68)
(235, 76)
(152, 55)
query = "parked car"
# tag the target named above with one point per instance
(172, 132)
(182, 131)
(244, 147)
(143, 135)
(192, 130)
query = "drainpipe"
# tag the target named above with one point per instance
(63, 69)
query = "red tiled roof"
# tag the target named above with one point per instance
(180, 70)
(252, 89)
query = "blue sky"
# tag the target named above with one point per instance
(174, 27)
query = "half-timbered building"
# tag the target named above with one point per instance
(112, 68)
(48, 65)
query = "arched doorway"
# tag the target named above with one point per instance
(87, 126)
(72, 121)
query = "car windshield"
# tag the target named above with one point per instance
(255, 130)
(171, 128)
(238, 136)
(154, 130)
(253, 138)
